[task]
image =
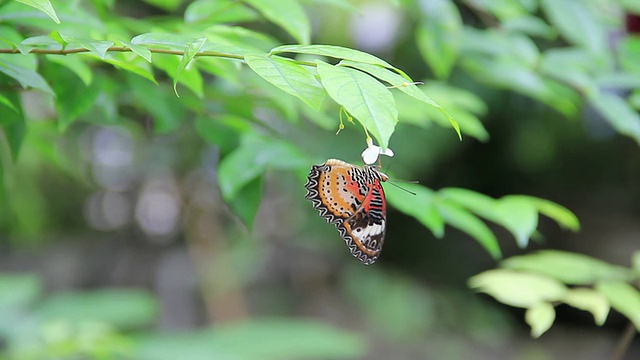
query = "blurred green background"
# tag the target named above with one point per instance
(116, 243)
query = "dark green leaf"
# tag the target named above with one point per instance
(463, 220)
(165, 108)
(73, 97)
(570, 268)
(246, 202)
(252, 159)
(418, 205)
(75, 64)
(12, 122)
(223, 131)
(288, 76)
(370, 102)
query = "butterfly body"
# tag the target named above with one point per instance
(351, 198)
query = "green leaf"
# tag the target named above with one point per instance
(245, 203)
(222, 130)
(8, 103)
(252, 159)
(622, 297)
(190, 78)
(125, 309)
(516, 214)
(288, 76)
(131, 65)
(540, 317)
(26, 77)
(73, 97)
(563, 216)
(589, 300)
(518, 289)
(190, 52)
(98, 47)
(287, 14)
(337, 52)
(75, 64)
(168, 5)
(438, 36)
(44, 6)
(463, 220)
(139, 50)
(218, 11)
(519, 216)
(165, 40)
(370, 102)
(167, 112)
(570, 268)
(13, 125)
(577, 23)
(399, 82)
(418, 205)
(19, 290)
(530, 25)
(618, 113)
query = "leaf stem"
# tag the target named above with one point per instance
(624, 342)
(121, 49)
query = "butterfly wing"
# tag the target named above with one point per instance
(353, 200)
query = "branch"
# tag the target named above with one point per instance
(121, 49)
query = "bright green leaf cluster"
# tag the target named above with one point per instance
(541, 280)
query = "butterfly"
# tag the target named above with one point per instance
(351, 198)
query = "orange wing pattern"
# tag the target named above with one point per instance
(353, 200)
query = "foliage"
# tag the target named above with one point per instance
(540, 281)
(202, 69)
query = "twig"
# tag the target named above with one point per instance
(624, 342)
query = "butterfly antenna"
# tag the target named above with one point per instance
(401, 188)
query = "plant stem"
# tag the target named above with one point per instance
(625, 341)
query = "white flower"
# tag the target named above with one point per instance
(372, 152)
